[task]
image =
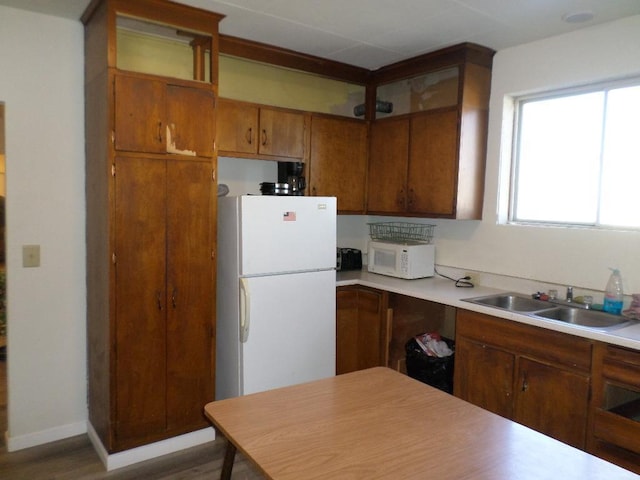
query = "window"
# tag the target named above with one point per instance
(577, 158)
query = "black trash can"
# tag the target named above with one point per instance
(434, 371)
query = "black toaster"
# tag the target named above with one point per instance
(349, 259)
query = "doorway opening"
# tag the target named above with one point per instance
(3, 275)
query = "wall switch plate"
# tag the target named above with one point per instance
(31, 255)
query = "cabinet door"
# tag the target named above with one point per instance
(433, 164)
(552, 401)
(190, 213)
(237, 127)
(281, 133)
(483, 375)
(388, 157)
(361, 338)
(190, 121)
(339, 161)
(140, 298)
(139, 115)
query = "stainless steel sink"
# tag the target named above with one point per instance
(510, 301)
(584, 318)
(578, 315)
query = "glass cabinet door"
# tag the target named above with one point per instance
(420, 93)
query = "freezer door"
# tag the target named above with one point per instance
(289, 335)
(287, 234)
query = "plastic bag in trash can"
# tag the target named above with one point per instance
(434, 371)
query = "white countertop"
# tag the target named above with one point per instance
(441, 290)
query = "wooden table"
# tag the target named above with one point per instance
(377, 423)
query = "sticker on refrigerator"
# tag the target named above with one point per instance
(289, 216)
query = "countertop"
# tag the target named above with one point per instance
(441, 290)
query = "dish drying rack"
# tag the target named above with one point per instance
(401, 232)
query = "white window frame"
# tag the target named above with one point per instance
(517, 102)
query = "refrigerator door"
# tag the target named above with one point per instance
(289, 335)
(286, 234)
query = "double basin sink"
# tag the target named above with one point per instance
(575, 315)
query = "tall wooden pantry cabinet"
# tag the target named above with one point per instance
(151, 209)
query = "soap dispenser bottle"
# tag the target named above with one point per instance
(613, 294)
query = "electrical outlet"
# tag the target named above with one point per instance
(471, 277)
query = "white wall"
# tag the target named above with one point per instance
(41, 85)
(578, 257)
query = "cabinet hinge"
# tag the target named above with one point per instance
(113, 169)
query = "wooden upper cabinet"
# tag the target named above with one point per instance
(338, 161)
(413, 164)
(237, 127)
(433, 165)
(190, 125)
(157, 116)
(281, 133)
(388, 155)
(434, 140)
(249, 130)
(139, 114)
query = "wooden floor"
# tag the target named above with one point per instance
(75, 459)
(3, 404)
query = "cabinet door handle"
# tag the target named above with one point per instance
(159, 300)
(525, 383)
(160, 132)
(174, 295)
(249, 135)
(264, 137)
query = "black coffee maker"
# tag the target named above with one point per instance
(292, 173)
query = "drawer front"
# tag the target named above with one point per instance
(617, 430)
(553, 347)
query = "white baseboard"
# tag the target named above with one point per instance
(45, 436)
(147, 452)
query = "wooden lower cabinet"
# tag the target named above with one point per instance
(552, 400)
(373, 326)
(615, 432)
(484, 376)
(361, 330)
(162, 366)
(536, 377)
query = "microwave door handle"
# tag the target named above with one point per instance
(245, 317)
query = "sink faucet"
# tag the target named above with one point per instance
(569, 294)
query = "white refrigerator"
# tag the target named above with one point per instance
(276, 288)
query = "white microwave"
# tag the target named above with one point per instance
(403, 260)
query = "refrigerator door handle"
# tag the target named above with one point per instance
(245, 316)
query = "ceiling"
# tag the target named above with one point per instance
(373, 33)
